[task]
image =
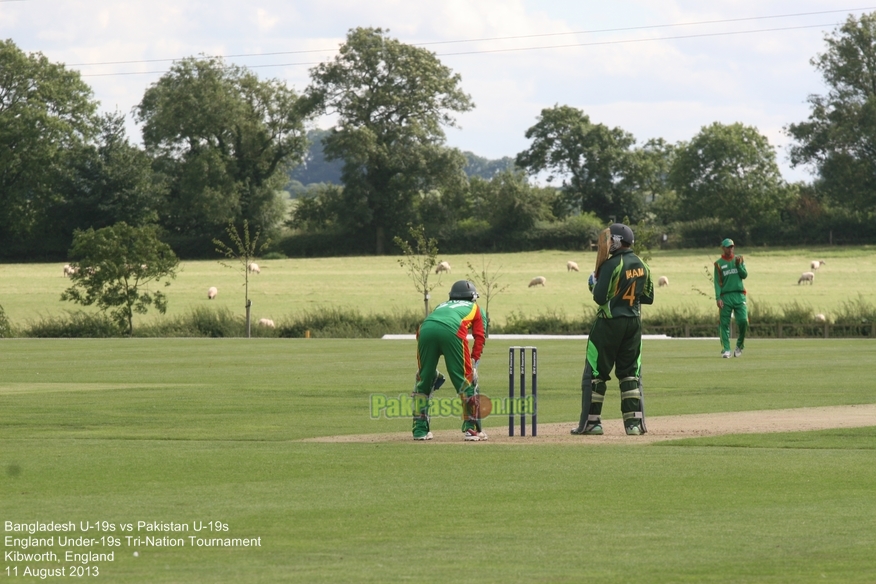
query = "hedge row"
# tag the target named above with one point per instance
(854, 319)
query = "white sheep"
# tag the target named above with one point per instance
(266, 322)
(538, 280)
(806, 277)
(820, 318)
(212, 292)
(662, 281)
(817, 264)
(69, 270)
(442, 267)
(572, 267)
(254, 268)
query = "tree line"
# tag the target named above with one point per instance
(221, 146)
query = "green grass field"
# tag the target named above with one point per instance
(199, 430)
(30, 292)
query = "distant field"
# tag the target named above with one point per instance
(378, 284)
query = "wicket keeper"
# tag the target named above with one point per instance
(445, 332)
(620, 285)
(730, 297)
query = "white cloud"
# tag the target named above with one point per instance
(264, 20)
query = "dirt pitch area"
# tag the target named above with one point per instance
(660, 428)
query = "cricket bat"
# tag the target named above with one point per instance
(603, 242)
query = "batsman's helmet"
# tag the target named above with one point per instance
(463, 290)
(624, 232)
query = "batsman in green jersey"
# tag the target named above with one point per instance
(730, 297)
(445, 332)
(620, 286)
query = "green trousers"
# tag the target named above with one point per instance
(613, 344)
(734, 304)
(435, 340)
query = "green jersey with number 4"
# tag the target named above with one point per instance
(623, 285)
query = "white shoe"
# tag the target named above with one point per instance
(483, 436)
(428, 436)
(471, 436)
(737, 352)
(726, 354)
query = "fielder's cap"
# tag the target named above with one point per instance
(727, 243)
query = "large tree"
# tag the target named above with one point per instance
(839, 138)
(46, 111)
(223, 141)
(510, 204)
(107, 180)
(392, 101)
(592, 161)
(649, 166)
(730, 172)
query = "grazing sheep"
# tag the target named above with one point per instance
(820, 318)
(572, 267)
(69, 270)
(254, 268)
(662, 281)
(806, 277)
(212, 292)
(537, 280)
(442, 267)
(266, 322)
(817, 264)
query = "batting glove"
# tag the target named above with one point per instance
(591, 281)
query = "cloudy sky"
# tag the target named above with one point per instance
(658, 68)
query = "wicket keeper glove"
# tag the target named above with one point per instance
(591, 281)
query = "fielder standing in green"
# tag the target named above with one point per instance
(730, 297)
(445, 332)
(620, 286)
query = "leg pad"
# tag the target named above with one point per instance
(631, 403)
(421, 414)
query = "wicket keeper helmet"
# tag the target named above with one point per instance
(463, 290)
